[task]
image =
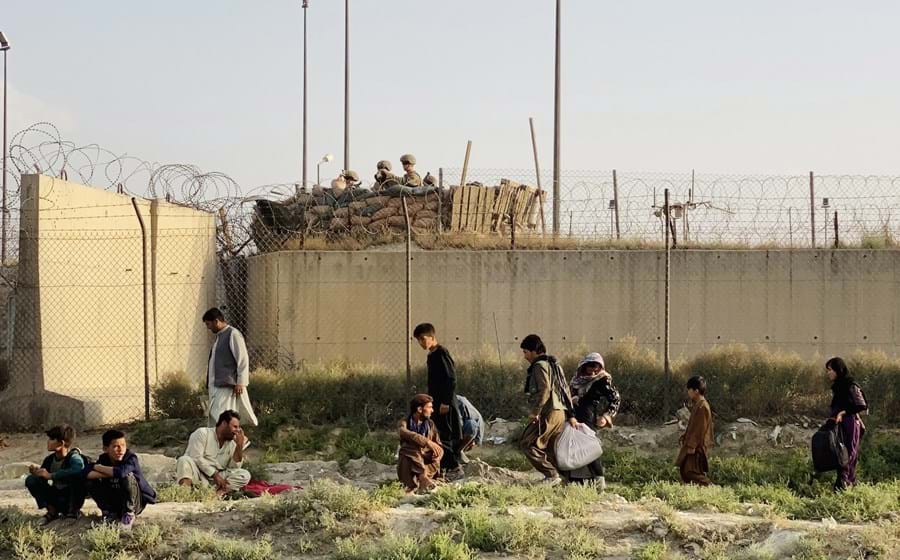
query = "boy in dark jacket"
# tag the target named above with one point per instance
(442, 388)
(116, 482)
(57, 484)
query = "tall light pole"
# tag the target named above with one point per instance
(305, 7)
(4, 46)
(556, 115)
(325, 159)
(346, 84)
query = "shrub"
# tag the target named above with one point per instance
(220, 548)
(758, 383)
(176, 397)
(321, 506)
(102, 541)
(489, 532)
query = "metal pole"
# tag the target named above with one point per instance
(305, 7)
(5, 210)
(537, 173)
(146, 313)
(837, 239)
(667, 368)
(616, 198)
(556, 123)
(346, 85)
(409, 383)
(440, 193)
(812, 209)
(790, 229)
(318, 173)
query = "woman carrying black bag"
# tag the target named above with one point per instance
(847, 402)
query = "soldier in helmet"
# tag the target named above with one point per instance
(410, 177)
(351, 178)
(383, 176)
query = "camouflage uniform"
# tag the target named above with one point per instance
(410, 178)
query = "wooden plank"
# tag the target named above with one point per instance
(522, 209)
(475, 208)
(496, 211)
(533, 208)
(456, 208)
(487, 205)
(464, 223)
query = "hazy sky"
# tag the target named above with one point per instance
(764, 86)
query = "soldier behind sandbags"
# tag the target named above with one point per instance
(410, 177)
(430, 180)
(383, 176)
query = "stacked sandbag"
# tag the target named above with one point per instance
(351, 211)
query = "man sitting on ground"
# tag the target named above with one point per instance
(216, 454)
(116, 482)
(57, 484)
(420, 447)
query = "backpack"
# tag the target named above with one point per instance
(828, 450)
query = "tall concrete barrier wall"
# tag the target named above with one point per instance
(79, 325)
(351, 305)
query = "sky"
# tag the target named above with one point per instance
(768, 86)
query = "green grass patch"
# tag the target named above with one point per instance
(322, 505)
(177, 493)
(222, 548)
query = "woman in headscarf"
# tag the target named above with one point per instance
(596, 402)
(847, 401)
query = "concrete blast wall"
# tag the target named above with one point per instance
(351, 305)
(79, 327)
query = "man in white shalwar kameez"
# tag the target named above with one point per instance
(228, 371)
(215, 455)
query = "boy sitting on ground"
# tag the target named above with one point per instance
(693, 458)
(116, 482)
(420, 447)
(57, 484)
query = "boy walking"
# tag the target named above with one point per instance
(551, 403)
(116, 482)
(420, 448)
(693, 458)
(442, 388)
(65, 495)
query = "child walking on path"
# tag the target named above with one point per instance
(693, 458)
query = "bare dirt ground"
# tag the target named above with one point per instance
(624, 529)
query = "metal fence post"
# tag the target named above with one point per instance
(812, 209)
(144, 260)
(616, 198)
(667, 367)
(837, 239)
(408, 332)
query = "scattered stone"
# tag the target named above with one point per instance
(157, 468)
(369, 471)
(683, 414)
(502, 429)
(746, 421)
(780, 544)
(14, 470)
(525, 511)
(304, 472)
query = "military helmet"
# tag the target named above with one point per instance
(408, 158)
(384, 164)
(351, 175)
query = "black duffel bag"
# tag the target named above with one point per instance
(828, 450)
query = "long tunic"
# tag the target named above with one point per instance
(223, 398)
(698, 438)
(417, 463)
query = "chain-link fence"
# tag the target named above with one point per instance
(107, 291)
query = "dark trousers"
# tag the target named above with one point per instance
(851, 428)
(65, 500)
(449, 428)
(117, 496)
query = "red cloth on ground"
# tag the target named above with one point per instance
(257, 488)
